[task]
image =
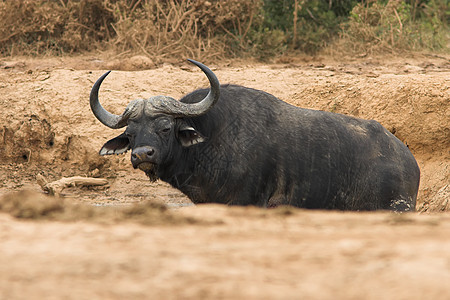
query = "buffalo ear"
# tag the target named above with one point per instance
(188, 136)
(117, 145)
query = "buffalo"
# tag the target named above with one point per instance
(240, 146)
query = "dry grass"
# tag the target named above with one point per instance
(212, 30)
(197, 29)
(37, 27)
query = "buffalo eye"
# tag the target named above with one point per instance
(165, 130)
(164, 125)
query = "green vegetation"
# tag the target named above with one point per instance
(398, 25)
(211, 29)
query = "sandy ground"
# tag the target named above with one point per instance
(216, 252)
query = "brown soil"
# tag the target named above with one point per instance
(77, 251)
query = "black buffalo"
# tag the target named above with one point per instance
(236, 145)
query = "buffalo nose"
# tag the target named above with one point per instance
(142, 154)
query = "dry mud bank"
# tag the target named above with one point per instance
(48, 128)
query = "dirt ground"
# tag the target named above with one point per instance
(212, 251)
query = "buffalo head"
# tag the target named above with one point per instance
(154, 126)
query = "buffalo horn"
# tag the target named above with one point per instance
(176, 108)
(168, 106)
(104, 116)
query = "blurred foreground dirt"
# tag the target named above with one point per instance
(230, 253)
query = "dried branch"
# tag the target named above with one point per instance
(56, 187)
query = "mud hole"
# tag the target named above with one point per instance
(137, 239)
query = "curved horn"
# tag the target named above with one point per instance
(177, 108)
(104, 116)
